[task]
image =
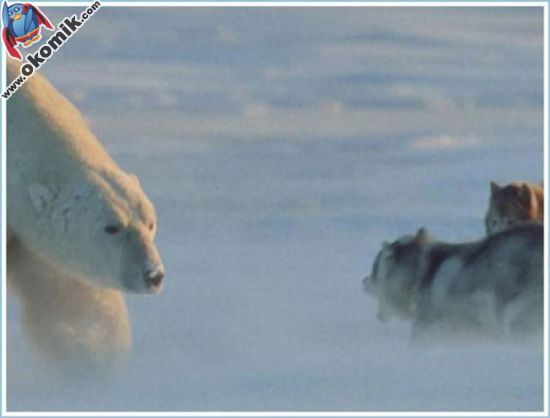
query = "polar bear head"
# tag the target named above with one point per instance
(103, 228)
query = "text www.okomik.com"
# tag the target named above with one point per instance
(67, 28)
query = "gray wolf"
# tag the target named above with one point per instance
(492, 287)
(513, 203)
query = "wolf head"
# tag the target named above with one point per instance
(512, 204)
(394, 277)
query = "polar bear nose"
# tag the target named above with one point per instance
(153, 279)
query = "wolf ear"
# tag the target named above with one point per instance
(422, 235)
(524, 194)
(41, 196)
(494, 188)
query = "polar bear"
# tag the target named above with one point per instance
(80, 229)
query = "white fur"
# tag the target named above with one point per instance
(63, 191)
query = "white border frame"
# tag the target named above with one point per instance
(287, 4)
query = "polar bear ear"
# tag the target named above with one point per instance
(40, 196)
(134, 178)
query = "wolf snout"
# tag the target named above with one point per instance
(367, 285)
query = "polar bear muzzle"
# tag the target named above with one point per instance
(153, 276)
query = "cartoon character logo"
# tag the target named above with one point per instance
(22, 23)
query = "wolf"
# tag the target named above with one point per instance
(513, 203)
(491, 288)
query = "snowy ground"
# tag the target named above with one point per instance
(281, 147)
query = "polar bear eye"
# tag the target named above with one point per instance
(112, 229)
(151, 226)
